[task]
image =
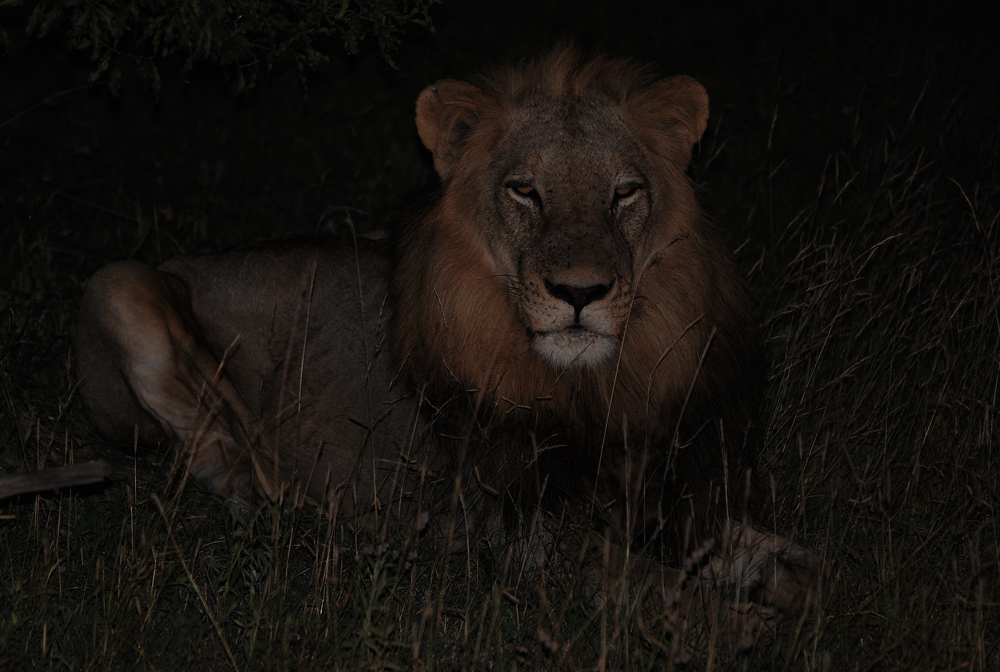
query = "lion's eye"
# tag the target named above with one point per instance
(625, 194)
(524, 192)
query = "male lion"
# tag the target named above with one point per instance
(560, 325)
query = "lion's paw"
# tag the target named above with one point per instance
(764, 568)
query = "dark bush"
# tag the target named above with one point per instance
(124, 36)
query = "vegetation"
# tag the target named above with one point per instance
(876, 262)
(240, 36)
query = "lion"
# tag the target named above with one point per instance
(560, 325)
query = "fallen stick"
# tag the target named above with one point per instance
(55, 478)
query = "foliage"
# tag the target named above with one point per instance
(239, 35)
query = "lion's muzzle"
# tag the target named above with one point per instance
(574, 316)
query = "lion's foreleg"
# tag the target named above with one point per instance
(768, 569)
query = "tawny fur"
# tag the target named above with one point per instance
(560, 326)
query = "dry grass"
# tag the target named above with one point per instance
(884, 412)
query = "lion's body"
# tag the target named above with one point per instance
(562, 315)
(299, 330)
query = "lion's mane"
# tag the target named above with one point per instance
(668, 423)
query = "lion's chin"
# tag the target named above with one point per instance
(574, 348)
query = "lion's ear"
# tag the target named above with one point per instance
(676, 106)
(446, 112)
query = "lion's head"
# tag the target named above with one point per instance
(574, 171)
(566, 264)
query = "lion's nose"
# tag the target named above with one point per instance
(578, 297)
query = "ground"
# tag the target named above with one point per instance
(851, 157)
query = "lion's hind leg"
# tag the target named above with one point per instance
(143, 367)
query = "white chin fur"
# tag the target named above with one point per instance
(574, 348)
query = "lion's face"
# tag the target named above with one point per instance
(568, 215)
(569, 209)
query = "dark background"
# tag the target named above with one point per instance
(794, 87)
